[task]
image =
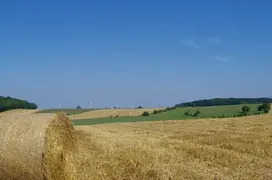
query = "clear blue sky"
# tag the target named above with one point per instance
(144, 52)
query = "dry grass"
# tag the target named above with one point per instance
(37, 147)
(234, 148)
(237, 148)
(110, 112)
(18, 112)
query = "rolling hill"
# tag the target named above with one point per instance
(175, 114)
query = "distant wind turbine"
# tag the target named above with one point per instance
(90, 103)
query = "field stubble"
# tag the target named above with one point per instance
(234, 148)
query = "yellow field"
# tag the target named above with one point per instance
(234, 148)
(110, 112)
(17, 112)
(237, 148)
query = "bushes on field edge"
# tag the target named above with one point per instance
(145, 113)
(265, 107)
(188, 113)
(163, 110)
(246, 109)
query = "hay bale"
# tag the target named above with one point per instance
(37, 147)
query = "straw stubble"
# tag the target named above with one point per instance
(36, 147)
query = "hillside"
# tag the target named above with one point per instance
(9, 103)
(104, 113)
(175, 114)
(224, 101)
(66, 111)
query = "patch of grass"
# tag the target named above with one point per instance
(176, 114)
(67, 111)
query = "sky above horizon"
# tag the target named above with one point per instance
(149, 53)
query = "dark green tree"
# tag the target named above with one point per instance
(245, 109)
(155, 112)
(160, 111)
(260, 108)
(266, 110)
(187, 113)
(145, 113)
(197, 113)
(264, 107)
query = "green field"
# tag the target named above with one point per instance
(67, 111)
(176, 114)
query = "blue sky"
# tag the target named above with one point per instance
(149, 53)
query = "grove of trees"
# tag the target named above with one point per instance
(145, 113)
(224, 101)
(9, 103)
(264, 107)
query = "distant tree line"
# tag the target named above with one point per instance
(224, 101)
(9, 103)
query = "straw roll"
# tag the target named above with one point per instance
(37, 147)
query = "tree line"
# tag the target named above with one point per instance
(224, 101)
(9, 103)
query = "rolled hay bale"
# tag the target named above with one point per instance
(37, 147)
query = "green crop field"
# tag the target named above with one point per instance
(67, 111)
(176, 114)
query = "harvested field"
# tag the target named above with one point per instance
(66, 111)
(110, 112)
(37, 147)
(234, 148)
(231, 148)
(18, 112)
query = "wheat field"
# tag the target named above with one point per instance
(234, 148)
(17, 112)
(230, 148)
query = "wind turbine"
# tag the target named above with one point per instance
(90, 103)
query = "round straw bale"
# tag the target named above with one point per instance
(37, 147)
